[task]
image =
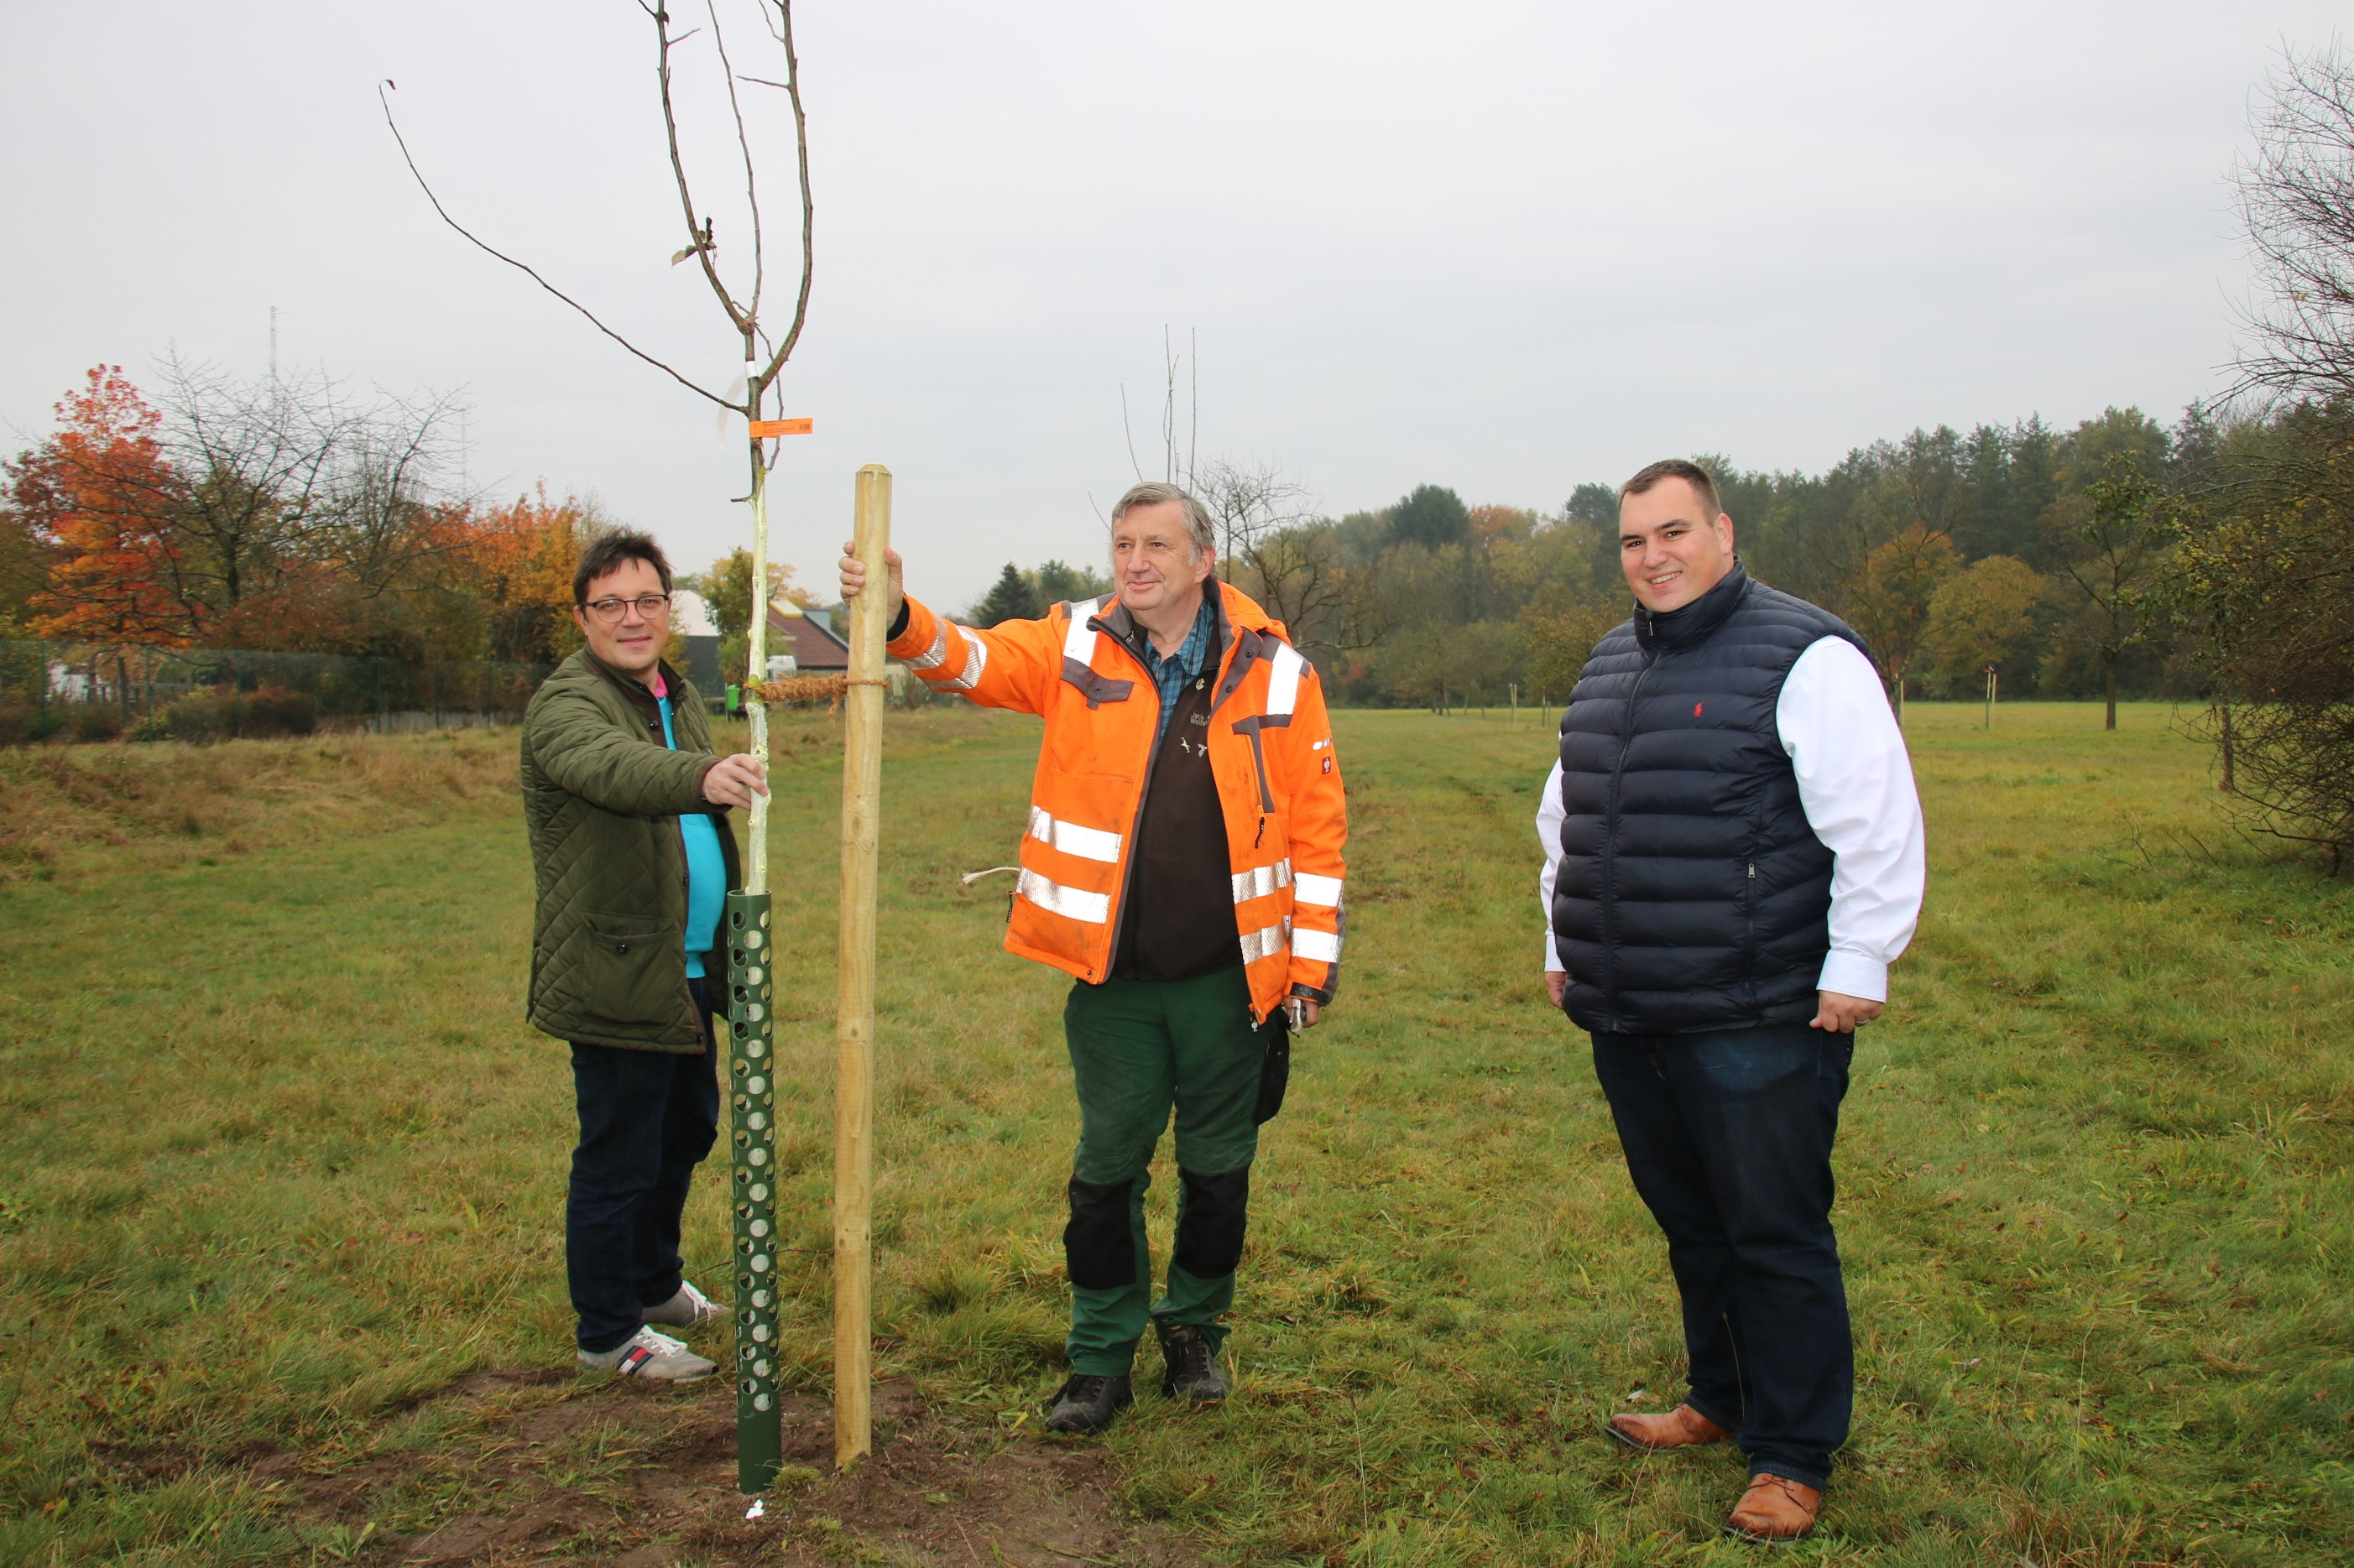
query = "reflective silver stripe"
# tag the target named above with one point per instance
(1262, 944)
(1310, 888)
(1283, 686)
(1317, 947)
(1087, 843)
(935, 656)
(1071, 902)
(976, 660)
(1079, 639)
(1260, 881)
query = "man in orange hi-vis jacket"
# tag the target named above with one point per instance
(1183, 863)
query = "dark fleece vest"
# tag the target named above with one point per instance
(1692, 893)
(1178, 921)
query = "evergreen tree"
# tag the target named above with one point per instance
(1011, 598)
(1591, 502)
(1432, 517)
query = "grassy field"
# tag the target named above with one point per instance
(279, 1163)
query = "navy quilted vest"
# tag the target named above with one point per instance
(1692, 893)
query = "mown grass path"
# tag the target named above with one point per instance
(278, 1160)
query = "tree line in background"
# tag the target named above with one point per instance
(2026, 549)
(282, 516)
(278, 515)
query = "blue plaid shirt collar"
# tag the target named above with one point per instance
(1174, 673)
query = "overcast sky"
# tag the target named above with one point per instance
(1501, 247)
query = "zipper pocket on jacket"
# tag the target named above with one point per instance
(1258, 760)
(1749, 927)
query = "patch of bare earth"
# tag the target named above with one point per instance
(935, 1492)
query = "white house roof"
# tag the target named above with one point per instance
(689, 615)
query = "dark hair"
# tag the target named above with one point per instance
(606, 553)
(1691, 473)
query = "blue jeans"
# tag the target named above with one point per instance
(647, 1118)
(1728, 1136)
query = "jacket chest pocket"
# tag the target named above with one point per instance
(632, 967)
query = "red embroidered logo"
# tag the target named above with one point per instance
(1696, 707)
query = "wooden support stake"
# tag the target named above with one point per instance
(853, 1093)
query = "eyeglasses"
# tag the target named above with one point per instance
(650, 607)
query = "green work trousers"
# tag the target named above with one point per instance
(1139, 1049)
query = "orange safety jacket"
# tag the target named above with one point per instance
(1270, 747)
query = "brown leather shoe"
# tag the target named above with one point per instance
(1775, 1509)
(1682, 1427)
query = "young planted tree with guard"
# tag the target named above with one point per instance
(749, 924)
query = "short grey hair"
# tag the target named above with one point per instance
(1197, 517)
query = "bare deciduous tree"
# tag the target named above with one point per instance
(1272, 546)
(2296, 201)
(1302, 577)
(1249, 503)
(2265, 572)
(274, 475)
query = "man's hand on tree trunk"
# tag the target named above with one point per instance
(734, 780)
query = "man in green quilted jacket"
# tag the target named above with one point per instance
(626, 804)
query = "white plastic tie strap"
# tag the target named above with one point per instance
(1307, 887)
(1071, 902)
(1260, 881)
(1316, 946)
(1087, 843)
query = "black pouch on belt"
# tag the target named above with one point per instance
(1274, 1069)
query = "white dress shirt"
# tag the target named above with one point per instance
(1855, 784)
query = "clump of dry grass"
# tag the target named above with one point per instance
(58, 804)
(62, 807)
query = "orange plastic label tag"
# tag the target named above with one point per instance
(763, 429)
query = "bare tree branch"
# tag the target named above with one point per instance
(783, 32)
(697, 239)
(525, 268)
(744, 142)
(1130, 433)
(743, 317)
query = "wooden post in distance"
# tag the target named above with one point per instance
(853, 1092)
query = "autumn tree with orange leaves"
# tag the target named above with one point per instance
(515, 562)
(95, 500)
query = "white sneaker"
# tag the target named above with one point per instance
(685, 1309)
(648, 1356)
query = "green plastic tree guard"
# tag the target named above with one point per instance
(752, 1096)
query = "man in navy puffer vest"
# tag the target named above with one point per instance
(1732, 859)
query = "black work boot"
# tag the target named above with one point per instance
(1194, 1374)
(1087, 1403)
